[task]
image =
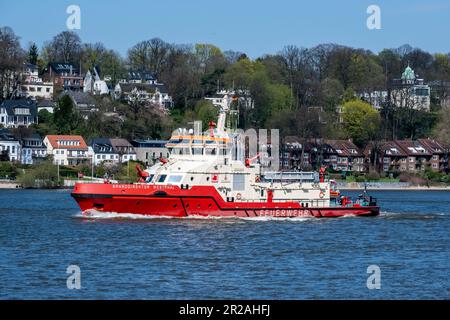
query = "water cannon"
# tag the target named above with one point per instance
(249, 161)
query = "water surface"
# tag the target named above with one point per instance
(41, 234)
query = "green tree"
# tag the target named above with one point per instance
(66, 118)
(361, 121)
(442, 129)
(33, 54)
(45, 116)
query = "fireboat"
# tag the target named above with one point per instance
(202, 178)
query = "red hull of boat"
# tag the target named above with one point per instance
(171, 201)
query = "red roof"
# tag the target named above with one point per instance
(65, 142)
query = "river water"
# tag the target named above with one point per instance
(42, 233)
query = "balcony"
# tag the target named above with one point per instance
(77, 156)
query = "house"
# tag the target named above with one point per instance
(417, 155)
(33, 86)
(149, 151)
(224, 98)
(16, 113)
(124, 149)
(390, 157)
(63, 75)
(83, 101)
(46, 104)
(343, 155)
(9, 145)
(290, 153)
(144, 86)
(440, 154)
(67, 149)
(135, 76)
(155, 93)
(33, 149)
(414, 156)
(93, 84)
(376, 98)
(410, 91)
(340, 155)
(103, 151)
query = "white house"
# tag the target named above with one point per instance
(102, 151)
(10, 145)
(124, 149)
(46, 105)
(93, 84)
(155, 93)
(224, 98)
(149, 151)
(33, 149)
(67, 149)
(33, 86)
(410, 91)
(16, 113)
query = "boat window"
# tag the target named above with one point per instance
(211, 151)
(162, 177)
(197, 141)
(197, 151)
(185, 151)
(174, 179)
(238, 182)
(177, 151)
(149, 178)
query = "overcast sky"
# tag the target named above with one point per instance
(253, 27)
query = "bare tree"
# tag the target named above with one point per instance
(12, 57)
(64, 47)
(150, 55)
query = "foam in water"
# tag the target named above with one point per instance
(94, 214)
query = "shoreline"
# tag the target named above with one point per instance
(342, 188)
(412, 188)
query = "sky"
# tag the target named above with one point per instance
(256, 27)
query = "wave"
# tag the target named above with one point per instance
(413, 215)
(94, 214)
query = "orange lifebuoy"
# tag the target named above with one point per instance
(321, 194)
